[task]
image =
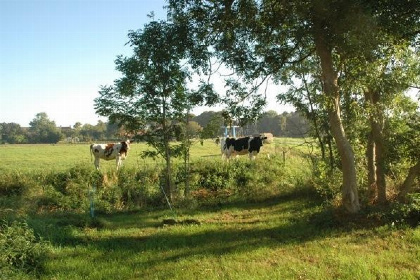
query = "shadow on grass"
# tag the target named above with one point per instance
(138, 241)
(147, 236)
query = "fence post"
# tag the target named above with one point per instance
(92, 201)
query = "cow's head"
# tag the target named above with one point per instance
(125, 146)
(259, 139)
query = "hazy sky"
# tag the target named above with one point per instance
(55, 54)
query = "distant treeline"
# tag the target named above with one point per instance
(208, 124)
(280, 125)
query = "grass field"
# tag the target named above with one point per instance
(288, 235)
(284, 238)
(35, 158)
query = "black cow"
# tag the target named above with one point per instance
(241, 146)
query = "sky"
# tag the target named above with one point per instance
(55, 55)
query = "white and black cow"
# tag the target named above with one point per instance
(247, 145)
(117, 151)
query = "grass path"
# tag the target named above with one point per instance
(284, 238)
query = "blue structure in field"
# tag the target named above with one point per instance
(233, 130)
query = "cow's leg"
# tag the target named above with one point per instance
(118, 162)
(252, 155)
(227, 155)
(97, 163)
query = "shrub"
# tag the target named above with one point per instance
(69, 190)
(214, 177)
(326, 181)
(407, 213)
(143, 189)
(20, 250)
(14, 184)
(210, 182)
(239, 180)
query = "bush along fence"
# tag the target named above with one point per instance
(80, 188)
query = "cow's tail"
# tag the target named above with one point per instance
(91, 151)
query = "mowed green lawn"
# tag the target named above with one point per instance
(45, 157)
(288, 237)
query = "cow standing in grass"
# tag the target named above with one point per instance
(250, 145)
(117, 151)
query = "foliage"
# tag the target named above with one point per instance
(152, 94)
(286, 124)
(183, 131)
(67, 190)
(407, 213)
(319, 49)
(12, 133)
(402, 133)
(207, 117)
(325, 180)
(20, 250)
(210, 183)
(74, 190)
(14, 184)
(212, 125)
(43, 130)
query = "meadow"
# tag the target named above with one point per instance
(58, 157)
(266, 221)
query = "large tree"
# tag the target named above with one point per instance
(152, 95)
(43, 130)
(12, 133)
(259, 39)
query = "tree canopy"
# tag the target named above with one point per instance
(277, 40)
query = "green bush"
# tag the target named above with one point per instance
(326, 181)
(210, 182)
(64, 181)
(214, 177)
(14, 184)
(51, 199)
(407, 213)
(239, 180)
(141, 188)
(20, 250)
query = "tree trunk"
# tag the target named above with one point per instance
(312, 116)
(380, 161)
(168, 177)
(350, 196)
(187, 156)
(409, 180)
(370, 155)
(168, 183)
(378, 152)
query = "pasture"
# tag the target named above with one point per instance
(265, 222)
(46, 157)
